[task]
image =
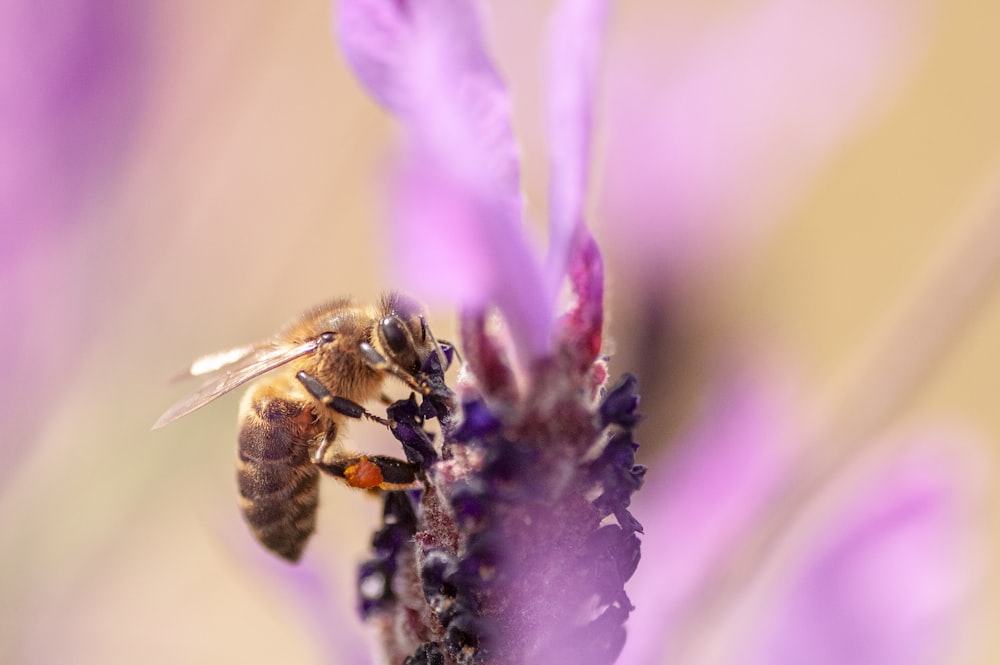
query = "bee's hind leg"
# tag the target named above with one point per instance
(372, 471)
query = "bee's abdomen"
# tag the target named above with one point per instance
(277, 480)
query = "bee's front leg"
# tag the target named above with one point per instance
(380, 363)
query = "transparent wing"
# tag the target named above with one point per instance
(213, 362)
(234, 367)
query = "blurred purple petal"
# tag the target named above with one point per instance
(458, 189)
(374, 35)
(885, 580)
(574, 46)
(714, 129)
(72, 76)
(460, 108)
(69, 87)
(699, 498)
(427, 62)
(452, 245)
(881, 577)
(443, 221)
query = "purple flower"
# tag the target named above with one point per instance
(518, 548)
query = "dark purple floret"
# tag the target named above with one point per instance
(398, 511)
(407, 425)
(627, 520)
(407, 417)
(437, 403)
(616, 472)
(477, 422)
(389, 539)
(465, 604)
(432, 366)
(399, 523)
(428, 653)
(510, 468)
(479, 564)
(614, 554)
(375, 585)
(446, 592)
(435, 570)
(463, 637)
(627, 552)
(620, 403)
(618, 454)
(470, 499)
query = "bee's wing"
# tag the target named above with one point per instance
(213, 362)
(234, 368)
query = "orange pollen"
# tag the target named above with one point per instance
(363, 475)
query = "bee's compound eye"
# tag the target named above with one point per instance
(394, 335)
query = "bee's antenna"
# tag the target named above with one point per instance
(437, 347)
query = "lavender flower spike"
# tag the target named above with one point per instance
(519, 544)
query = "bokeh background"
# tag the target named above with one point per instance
(180, 177)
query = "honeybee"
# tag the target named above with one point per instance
(320, 369)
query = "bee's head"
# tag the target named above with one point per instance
(402, 333)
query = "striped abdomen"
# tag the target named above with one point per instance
(277, 480)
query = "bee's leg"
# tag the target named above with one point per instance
(325, 444)
(341, 405)
(379, 362)
(372, 471)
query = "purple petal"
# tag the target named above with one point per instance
(441, 251)
(575, 44)
(886, 580)
(459, 231)
(374, 36)
(427, 62)
(714, 130)
(453, 245)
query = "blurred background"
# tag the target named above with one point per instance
(181, 177)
